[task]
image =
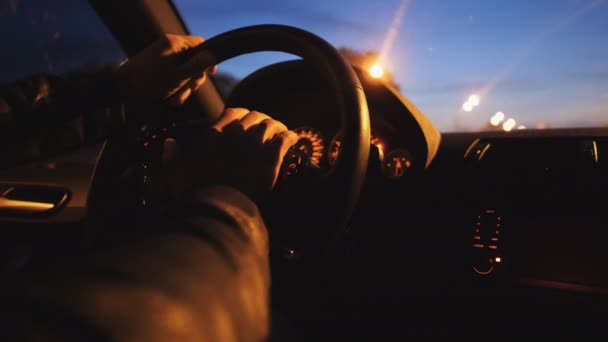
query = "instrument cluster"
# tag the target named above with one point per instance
(393, 161)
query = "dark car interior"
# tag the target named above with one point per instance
(484, 235)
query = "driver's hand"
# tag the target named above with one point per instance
(244, 150)
(167, 70)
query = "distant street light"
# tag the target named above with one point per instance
(471, 103)
(474, 100)
(497, 118)
(509, 124)
(376, 71)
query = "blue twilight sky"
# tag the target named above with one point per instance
(538, 61)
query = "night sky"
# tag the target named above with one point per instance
(538, 61)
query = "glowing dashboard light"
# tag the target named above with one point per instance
(467, 106)
(498, 259)
(483, 272)
(376, 71)
(474, 100)
(509, 124)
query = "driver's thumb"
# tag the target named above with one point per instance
(196, 65)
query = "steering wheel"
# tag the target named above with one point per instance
(342, 184)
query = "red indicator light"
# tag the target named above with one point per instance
(492, 247)
(489, 211)
(477, 237)
(483, 272)
(494, 239)
(478, 245)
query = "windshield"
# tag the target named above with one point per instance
(469, 65)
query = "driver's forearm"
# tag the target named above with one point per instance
(203, 278)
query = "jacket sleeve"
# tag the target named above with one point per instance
(201, 277)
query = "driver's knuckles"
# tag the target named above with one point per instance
(271, 128)
(230, 115)
(252, 119)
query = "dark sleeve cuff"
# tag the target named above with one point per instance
(222, 203)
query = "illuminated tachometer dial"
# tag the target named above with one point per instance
(396, 164)
(334, 150)
(336, 143)
(310, 143)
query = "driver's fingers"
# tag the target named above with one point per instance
(180, 97)
(230, 115)
(267, 129)
(191, 41)
(182, 94)
(253, 118)
(279, 145)
(282, 142)
(195, 65)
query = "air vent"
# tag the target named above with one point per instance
(476, 151)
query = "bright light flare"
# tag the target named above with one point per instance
(521, 127)
(497, 118)
(474, 100)
(467, 106)
(509, 124)
(376, 71)
(471, 103)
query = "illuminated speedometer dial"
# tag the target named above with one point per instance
(336, 143)
(310, 143)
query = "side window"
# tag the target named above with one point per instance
(52, 36)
